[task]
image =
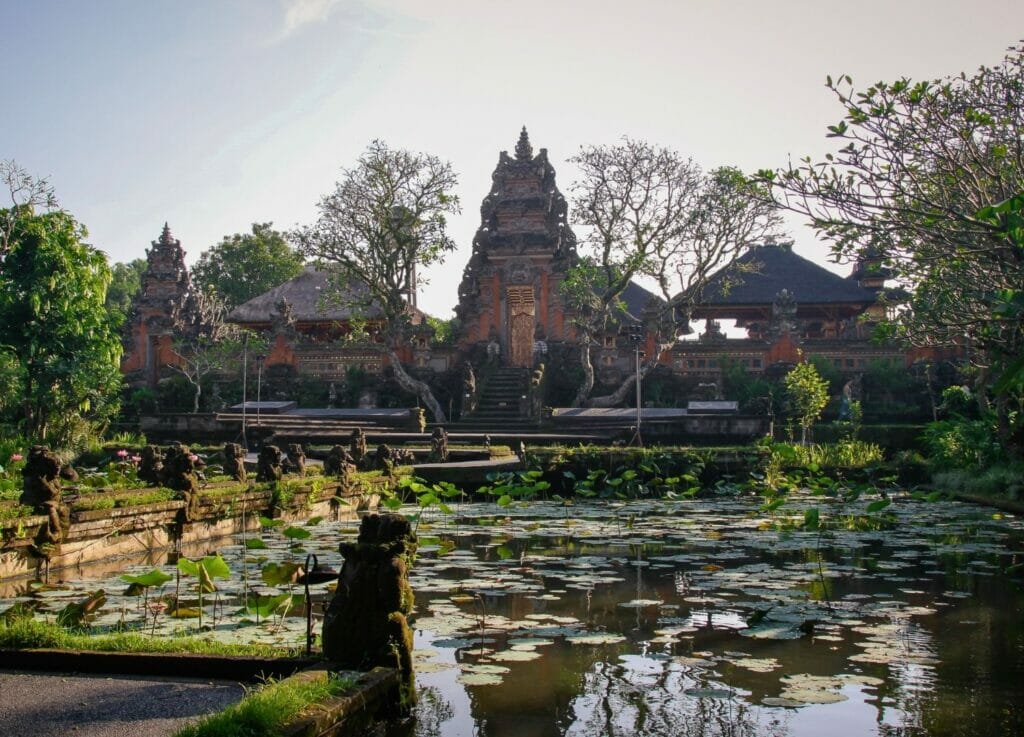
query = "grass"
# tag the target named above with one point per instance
(265, 711)
(25, 633)
(999, 480)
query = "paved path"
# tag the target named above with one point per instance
(71, 705)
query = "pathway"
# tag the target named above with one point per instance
(74, 705)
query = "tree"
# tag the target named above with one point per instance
(55, 325)
(25, 191)
(207, 346)
(808, 395)
(245, 265)
(125, 283)
(924, 177)
(649, 212)
(385, 220)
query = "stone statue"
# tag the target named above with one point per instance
(338, 462)
(296, 459)
(332, 395)
(846, 402)
(268, 465)
(468, 380)
(366, 624)
(357, 447)
(439, 445)
(234, 461)
(41, 490)
(493, 347)
(152, 465)
(179, 473)
(783, 320)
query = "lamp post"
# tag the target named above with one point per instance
(259, 384)
(636, 334)
(245, 375)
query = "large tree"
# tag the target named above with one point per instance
(245, 265)
(384, 221)
(924, 176)
(55, 325)
(125, 282)
(24, 191)
(649, 212)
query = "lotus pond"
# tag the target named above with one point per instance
(685, 617)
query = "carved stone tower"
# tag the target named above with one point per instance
(163, 308)
(510, 291)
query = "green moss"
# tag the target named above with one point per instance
(265, 711)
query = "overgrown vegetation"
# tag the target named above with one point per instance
(263, 712)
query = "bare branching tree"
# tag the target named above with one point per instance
(385, 220)
(648, 212)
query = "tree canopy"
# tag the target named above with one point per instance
(56, 329)
(125, 282)
(649, 212)
(385, 220)
(245, 265)
(924, 177)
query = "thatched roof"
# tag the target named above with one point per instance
(305, 294)
(761, 273)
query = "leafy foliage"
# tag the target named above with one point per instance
(245, 265)
(808, 395)
(52, 304)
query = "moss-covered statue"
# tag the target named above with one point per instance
(234, 461)
(152, 465)
(180, 473)
(365, 624)
(268, 465)
(296, 459)
(357, 447)
(41, 491)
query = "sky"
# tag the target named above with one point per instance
(214, 114)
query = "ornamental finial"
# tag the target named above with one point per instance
(524, 151)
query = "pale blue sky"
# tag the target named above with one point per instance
(212, 114)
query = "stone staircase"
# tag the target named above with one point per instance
(500, 407)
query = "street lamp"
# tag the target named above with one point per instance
(245, 374)
(259, 384)
(635, 332)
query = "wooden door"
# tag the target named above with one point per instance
(521, 311)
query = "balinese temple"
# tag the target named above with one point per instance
(164, 308)
(790, 308)
(510, 301)
(306, 329)
(510, 292)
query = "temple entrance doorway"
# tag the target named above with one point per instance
(521, 312)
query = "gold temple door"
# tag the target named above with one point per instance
(521, 311)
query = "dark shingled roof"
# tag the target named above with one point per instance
(304, 295)
(635, 298)
(761, 273)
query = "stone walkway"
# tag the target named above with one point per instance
(72, 705)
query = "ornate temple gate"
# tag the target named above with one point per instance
(521, 312)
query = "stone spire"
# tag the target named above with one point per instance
(165, 237)
(524, 151)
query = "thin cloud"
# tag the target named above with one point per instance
(300, 13)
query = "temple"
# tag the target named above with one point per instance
(164, 308)
(510, 293)
(510, 306)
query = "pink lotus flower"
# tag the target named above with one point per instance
(17, 457)
(193, 457)
(122, 453)
(136, 459)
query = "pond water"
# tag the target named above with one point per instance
(697, 617)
